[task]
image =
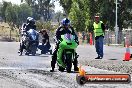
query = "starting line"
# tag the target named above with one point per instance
(18, 68)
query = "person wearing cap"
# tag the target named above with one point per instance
(99, 31)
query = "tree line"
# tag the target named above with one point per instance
(82, 12)
(15, 15)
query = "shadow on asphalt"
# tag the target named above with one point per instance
(37, 71)
(113, 59)
(39, 55)
(67, 72)
(43, 56)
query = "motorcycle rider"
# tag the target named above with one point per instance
(25, 27)
(64, 28)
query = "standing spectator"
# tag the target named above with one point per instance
(83, 36)
(99, 30)
(88, 37)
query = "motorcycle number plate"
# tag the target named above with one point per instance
(69, 43)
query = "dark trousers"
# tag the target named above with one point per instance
(22, 46)
(54, 56)
(99, 46)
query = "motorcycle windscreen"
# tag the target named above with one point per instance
(69, 37)
(34, 37)
(32, 34)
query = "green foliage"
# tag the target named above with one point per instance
(79, 15)
(0, 9)
(24, 12)
(73, 15)
(3, 9)
(41, 8)
(82, 13)
(47, 25)
(11, 15)
(58, 16)
(39, 25)
(43, 25)
(15, 15)
(66, 4)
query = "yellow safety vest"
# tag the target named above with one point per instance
(98, 29)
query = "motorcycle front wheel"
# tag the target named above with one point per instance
(68, 62)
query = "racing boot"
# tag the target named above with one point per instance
(53, 62)
(20, 54)
(75, 63)
(52, 66)
(61, 69)
(20, 51)
(54, 58)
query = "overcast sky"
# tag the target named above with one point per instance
(57, 5)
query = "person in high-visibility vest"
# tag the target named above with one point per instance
(99, 31)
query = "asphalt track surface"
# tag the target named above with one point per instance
(33, 71)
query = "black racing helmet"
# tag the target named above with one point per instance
(30, 20)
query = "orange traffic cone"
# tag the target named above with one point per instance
(81, 71)
(127, 54)
(91, 41)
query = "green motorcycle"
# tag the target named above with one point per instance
(66, 53)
